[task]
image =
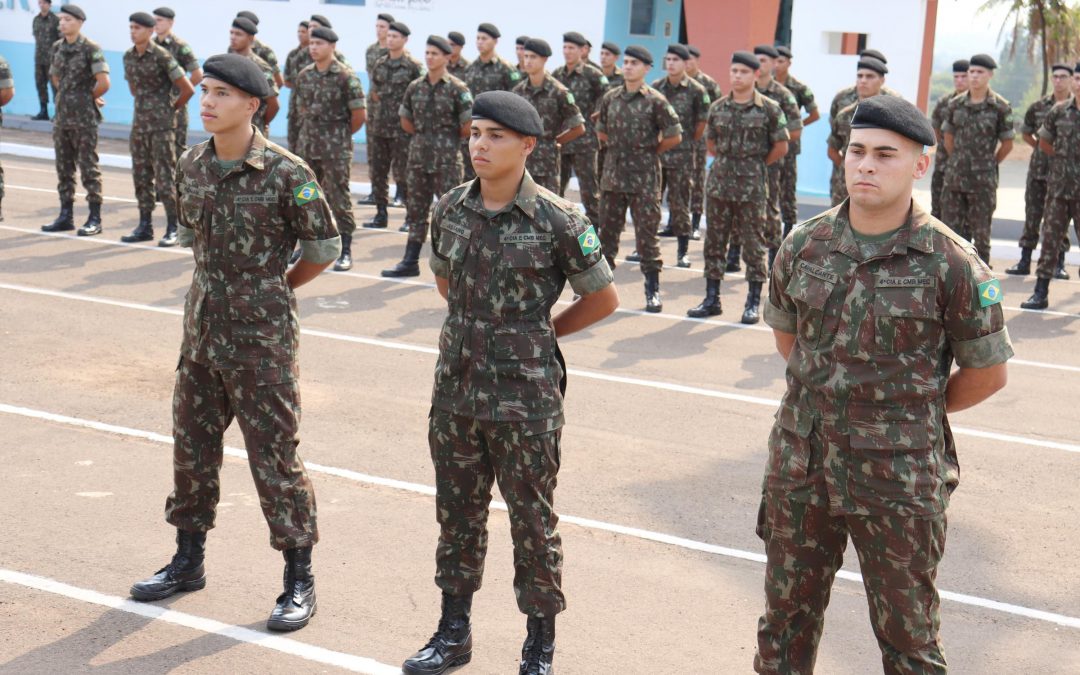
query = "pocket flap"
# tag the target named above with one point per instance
(510, 344)
(795, 420)
(888, 435)
(913, 302)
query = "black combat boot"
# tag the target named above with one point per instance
(409, 265)
(787, 229)
(170, 230)
(296, 605)
(1040, 299)
(379, 221)
(753, 302)
(772, 257)
(92, 225)
(367, 200)
(405, 227)
(400, 194)
(184, 573)
(539, 647)
(1023, 266)
(1059, 273)
(43, 114)
(144, 231)
(695, 226)
(344, 261)
(451, 645)
(666, 231)
(64, 222)
(1, 210)
(733, 254)
(652, 292)
(681, 257)
(634, 257)
(710, 306)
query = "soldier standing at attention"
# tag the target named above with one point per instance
(241, 37)
(697, 186)
(789, 173)
(46, 29)
(435, 112)
(609, 58)
(870, 304)
(497, 403)
(691, 102)
(331, 105)
(7, 92)
(458, 64)
(320, 21)
(164, 17)
(849, 95)
(1038, 168)
(638, 125)
(264, 51)
(870, 76)
(560, 116)
(244, 204)
(81, 77)
(388, 144)
(297, 59)
(978, 128)
(378, 49)
(151, 73)
(489, 72)
(519, 51)
(747, 132)
(941, 158)
(588, 85)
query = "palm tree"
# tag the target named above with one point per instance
(1052, 26)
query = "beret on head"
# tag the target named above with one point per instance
(324, 33)
(75, 11)
(640, 53)
(323, 21)
(245, 24)
(538, 47)
(783, 50)
(873, 53)
(249, 15)
(1062, 66)
(305, 24)
(440, 43)
(509, 110)
(574, 37)
(766, 50)
(960, 66)
(400, 27)
(457, 38)
(894, 114)
(694, 51)
(679, 50)
(745, 58)
(870, 63)
(143, 19)
(239, 71)
(490, 29)
(165, 13)
(521, 40)
(611, 47)
(383, 16)
(984, 61)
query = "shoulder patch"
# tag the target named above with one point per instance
(308, 192)
(515, 76)
(705, 98)
(604, 80)
(569, 97)
(990, 293)
(588, 241)
(466, 97)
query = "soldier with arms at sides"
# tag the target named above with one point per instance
(870, 78)
(46, 28)
(489, 72)
(789, 173)
(241, 37)
(588, 85)
(164, 18)
(609, 65)
(297, 59)
(937, 116)
(697, 187)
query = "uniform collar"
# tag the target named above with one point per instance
(916, 233)
(643, 91)
(758, 100)
(525, 199)
(255, 157)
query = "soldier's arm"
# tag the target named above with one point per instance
(6, 94)
(272, 108)
(578, 256)
(310, 219)
(776, 152)
(357, 118)
(196, 76)
(570, 134)
(699, 130)
(779, 137)
(781, 312)
(1046, 135)
(671, 131)
(279, 80)
(1003, 150)
(357, 104)
(1006, 133)
(405, 111)
(101, 85)
(814, 116)
(186, 90)
(950, 142)
(668, 143)
(439, 264)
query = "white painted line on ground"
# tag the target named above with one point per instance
(357, 664)
(588, 523)
(77, 194)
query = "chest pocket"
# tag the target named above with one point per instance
(810, 293)
(191, 210)
(905, 317)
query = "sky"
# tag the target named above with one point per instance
(962, 30)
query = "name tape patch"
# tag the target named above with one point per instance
(268, 198)
(456, 228)
(818, 272)
(525, 238)
(906, 282)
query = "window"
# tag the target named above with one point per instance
(845, 43)
(641, 17)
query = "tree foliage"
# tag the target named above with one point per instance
(1048, 28)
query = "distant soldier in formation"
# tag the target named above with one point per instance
(489, 72)
(519, 51)
(241, 38)
(849, 95)
(7, 92)
(941, 156)
(81, 77)
(768, 86)
(697, 186)
(789, 173)
(609, 65)
(264, 52)
(378, 49)
(46, 28)
(458, 64)
(296, 60)
(638, 125)
(978, 128)
(588, 84)
(164, 18)
(870, 77)
(153, 75)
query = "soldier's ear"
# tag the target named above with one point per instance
(529, 144)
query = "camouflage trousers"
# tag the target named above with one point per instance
(423, 188)
(180, 132)
(41, 78)
(469, 456)
(697, 183)
(292, 129)
(970, 214)
(1034, 207)
(333, 177)
(77, 146)
(937, 185)
(837, 184)
(600, 154)
(384, 153)
(267, 405)
(726, 218)
(583, 164)
(153, 166)
(789, 177)
(898, 558)
(645, 210)
(676, 182)
(1055, 233)
(774, 232)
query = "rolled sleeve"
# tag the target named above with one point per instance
(573, 121)
(320, 251)
(982, 352)
(674, 130)
(404, 112)
(595, 278)
(439, 265)
(781, 320)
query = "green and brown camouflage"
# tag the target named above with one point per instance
(1061, 129)
(634, 122)
(941, 155)
(615, 79)
(558, 113)
(259, 120)
(691, 102)
(804, 99)
(697, 187)
(389, 79)
(849, 95)
(76, 147)
(75, 65)
(266, 54)
(1038, 168)
(789, 170)
(46, 33)
(372, 54)
(495, 74)
(839, 135)
(458, 68)
(6, 82)
(296, 60)
(782, 96)
(185, 56)
(588, 84)
(150, 77)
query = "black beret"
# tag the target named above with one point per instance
(143, 19)
(679, 50)
(400, 27)
(249, 15)
(783, 50)
(457, 38)
(587, 43)
(323, 21)
(960, 66)
(305, 24)
(521, 40)
(324, 33)
(165, 12)
(383, 16)
(744, 58)
(245, 24)
(984, 61)
(574, 37)
(894, 114)
(490, 29)
(694, 51)
(640, 53)
(873, 53)
(611, 47)
(510, 110)
(1062, 66)
(75, 11)
(870, 63)
(239, 71)
(538, 47)
(766, 50)
(440, 43)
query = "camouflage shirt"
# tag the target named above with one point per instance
(862, 427)
(150, 76)
(46, 33)
(259, 120)
(437, 112)
(588, 84)
(492, 75)
(634, 123)
(372, 55)
(804, 98)
(849, 95)
(615, 79)
(243, 225)
(937, 117)
(1038, 165)
(6, 81)
(389, 80)
(266, 54)
(840, 128)
(458, 68)
(498, 357)
(325, 101)
(976, 130)
(1061, 129)
(180, 50)
(783, 96)
(75, 65)
(743, 134)
(711, 85)
(298, 59)
(558, 112)
(691, 102)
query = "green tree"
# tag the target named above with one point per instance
(1046, 27)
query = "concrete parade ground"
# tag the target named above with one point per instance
(663, 454)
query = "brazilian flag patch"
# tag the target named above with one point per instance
(308, 192)
(569, 97)
(588, 241)
(989, 293)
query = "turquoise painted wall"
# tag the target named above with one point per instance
(617, 30)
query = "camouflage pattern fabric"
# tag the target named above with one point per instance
(697, 187)
(388, 144)
(941, 155)
(783, 96)
(153, 162)
(645, 211)
(386, 153)
(77, 147)
(1061, 129)
(839, 134)
(6, 82)
(267, 54)
(588, 84)
(494, 74)
(259, 120)
(691, 102)
(614, 80)
(1038, 168)
(458, 68)
(559, 113)
(75, 65)
(150, 76)
(182, 52)
(298, 59)
(372, 54)
(849, 95)
(789, 171)
(266, 404)
(46, 33)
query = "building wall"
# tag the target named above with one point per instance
(664, 31)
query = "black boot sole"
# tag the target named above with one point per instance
(373, 226)
(284, 625)
(1018, 273)
(62, 228)
(145, 596)
(393, 274)
(749, 322)
(456, 662)
(708, 312)
(167, 243)
(84, 232)
(132, 239)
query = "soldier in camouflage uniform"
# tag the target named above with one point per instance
(937, 116)
(331, 105)
(152, 73)
(435, 112)
(747, 132)
(489, 72)
(46, 30)
(497, 402)
(609, 57)
(638, 125)
(263, 51)
(789, 173)
(768, 86)
(519, 52)
(870, 304)
(978, 128)
(244, 204)
(378, 49)
(458, 64)
(559, 114)
(691, 102)
(241, 38)
(849, 95)
(81, 77)
(870, 77)
(297, 59)
(588, 84)
(7, 92)
(697, 187)
(164, 18)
